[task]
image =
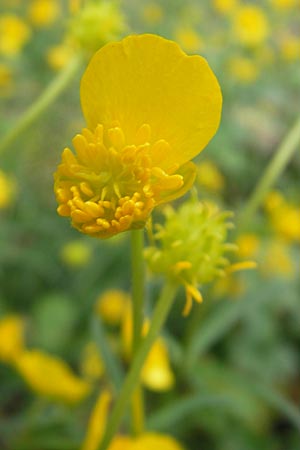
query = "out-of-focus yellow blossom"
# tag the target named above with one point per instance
(51, 377)
(189, 39)
(111, 306)
(209, 176)
(11, 338)
(14, 33)
(290, 48)
(7, 190)
(191, 248)
(282, 5)
(145, 441)
(151, 441)
(243, 69)
(286, 222)
(273, 201)
(5, 81)
(59, 56)
(277, 260)
(250, 25)
(150, 108)
(76, 253)
(224, 6)
(95, 24)
(92, 367)
(43, 13)
(248, 245)
(156, 374)
(152, 13)
(231, 285)
(97, 422)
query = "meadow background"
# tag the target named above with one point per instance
(235, 358)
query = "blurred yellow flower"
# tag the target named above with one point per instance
(152, 13)
(209, 176)
(286, 222)
(144, 441)
(76, 253)
(290, 48)
(59, 56)
(43, 13)
(14, 33)
(273, 200)
(51, 377)
(150, 108)
(189, 39)
(5, 82)
(111, 306)
(243, 69)
(284, 4)
(250, 25)
(97, 422)
(277, 260)
(11, 338)
(248, 244)
(92, 367)
(95, 24)
(156, 374)
(7, 190)
(225, 6)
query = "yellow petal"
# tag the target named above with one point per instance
(146, 79)
(150, 441)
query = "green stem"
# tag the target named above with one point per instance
(159, 316)
(138, 279)
(276, 166)
(138, 295)
(47, 97)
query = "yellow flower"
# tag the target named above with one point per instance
(224, 6)
(150, 108)
(145, 441)
(111, 306)
(76, 253)
(43, 13)
(250, 25)
(95, 24)
(92, 366)
(243, 69)
(5, 82)
(209, 176)
(290, 48)
(51, 377)
(156, 374)
(189, 39)
(277, 260)
(248, 244)
(284, 4)
(7, 190)
(11, 338)
(59, 56)
(14, 33)
(152, 13)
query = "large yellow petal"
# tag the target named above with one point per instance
(151, 441)
(146, 79)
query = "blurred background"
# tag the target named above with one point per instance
(240, 388)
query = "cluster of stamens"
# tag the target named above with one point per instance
(110, 186)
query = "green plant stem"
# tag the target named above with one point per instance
(47, 97)
(159, 316)
(138, 296)
(138, 283)
(276, 166)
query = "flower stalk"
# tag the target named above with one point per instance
(276, 166)
(160, 314)
(55, 88)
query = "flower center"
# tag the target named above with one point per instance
(110, 186)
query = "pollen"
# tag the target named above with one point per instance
(107, 185)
